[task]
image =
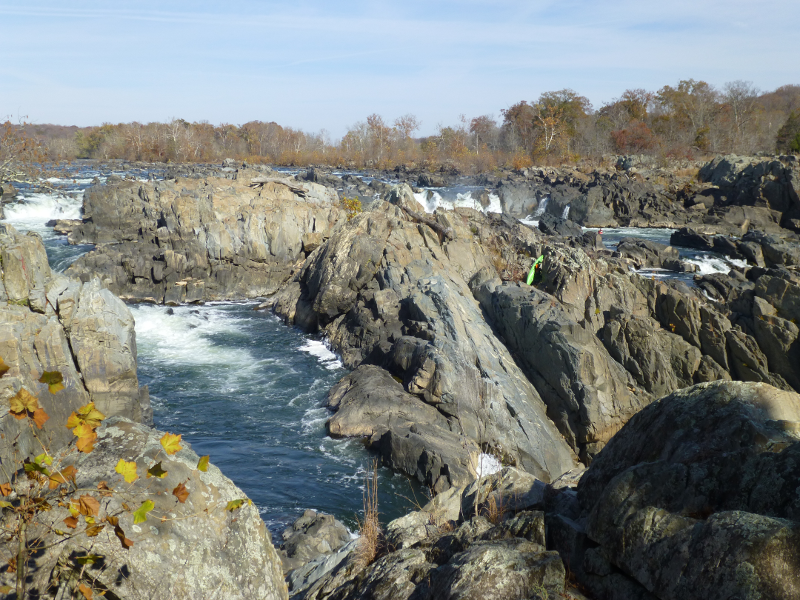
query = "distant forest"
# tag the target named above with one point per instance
(688, 121)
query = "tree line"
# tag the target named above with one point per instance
(689, 120)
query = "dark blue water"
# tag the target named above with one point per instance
(247, 390)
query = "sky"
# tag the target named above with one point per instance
(314, 64)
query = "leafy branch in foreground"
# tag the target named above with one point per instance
(50, 481)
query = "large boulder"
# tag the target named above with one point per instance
(184, 550)
(696, 497)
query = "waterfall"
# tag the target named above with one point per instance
(565, 214)
(542, 207)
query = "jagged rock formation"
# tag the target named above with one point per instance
(49, 322)
(389, 291)
(190, 240)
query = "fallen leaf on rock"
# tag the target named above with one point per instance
(181, 493)
(140, 514)
(156, 471)
(23, 402)
(127, 470)
(171, 443)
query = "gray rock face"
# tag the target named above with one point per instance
(588, 395)
(696, 497)
(199, 549)
(390, 291)
(200, 239)
(751, 181)
(660, 361)
(51, 323)
(412, 436)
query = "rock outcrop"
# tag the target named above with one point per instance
(49, 322)
(696, 497)
(191, 240)
(390, 291)
(442, 552)
(310, 536)
(184, 550)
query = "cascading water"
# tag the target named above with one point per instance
(542, 207)
(565, 214)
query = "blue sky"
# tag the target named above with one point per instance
(311, 64)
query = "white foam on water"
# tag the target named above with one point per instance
(565, 214)
(541, 208)
(529, 220)
(182, 338)
(707, 265)
(488, 465)
(313, 419)
(317, 348)
(35, 210)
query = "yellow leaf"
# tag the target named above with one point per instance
(4, 368)
(43, 458)
(83, 430)
(4, 504)
(127, 470)
(73, 421)
(171, 443)
(202, 464)
(23, 402)
(234, 504)
(87, 415)
(86, 591)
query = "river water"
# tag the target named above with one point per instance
(247, 390)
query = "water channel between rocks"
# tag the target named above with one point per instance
(247, 390)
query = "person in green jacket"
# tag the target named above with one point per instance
(535, 274)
